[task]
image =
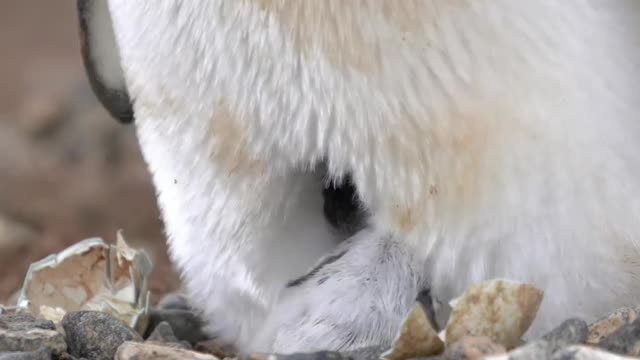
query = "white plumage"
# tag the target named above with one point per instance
(489, 138)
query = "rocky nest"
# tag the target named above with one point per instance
(174, 332)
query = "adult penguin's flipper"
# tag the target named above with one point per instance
(101, 59)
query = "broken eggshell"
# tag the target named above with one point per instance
(90, 275)
(501, 310)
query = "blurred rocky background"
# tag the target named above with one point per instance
(67, 170)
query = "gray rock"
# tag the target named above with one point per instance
(23, 332)
(535, 350)
(42, 354)
(67, 356)
(186, 325)
(612, 322)
(174, 301)
(570, 332)
(95, 335)
(581, 352)
(31, 340)
(163, 333)
(217, 348)
(625, 340)
(136, 351)
(24, 321)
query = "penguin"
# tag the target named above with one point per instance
(469, 140)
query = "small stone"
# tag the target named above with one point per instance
(318, 355)
(178, 345)
(95, 335)
(609, 324)
(258, 356)
(499, 309)
(32, 340)
(184, 344)
(42, 354)
(534, 350)
(217, 348)
(570, 332)
(625, 340)
(473, 347)
(416, 338)
(67, 356)
(163, 333)
(137, 351)
(23, 332)
(581, 352)
(174, 301)
(24, 321)
(186, 325)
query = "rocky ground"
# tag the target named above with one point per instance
(174, 333)
(67, 170)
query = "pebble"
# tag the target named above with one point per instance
(609, 324)
(42, 354)
(95, 335)
(163, 334)
(217, 348)
(24, 321)
(416, 337)
(473, 347)
(22, 332)
(499, 309)
(186, 325)
(138, 351)
(581, 352)
(626, 340)
(570, 332)
(535, 350)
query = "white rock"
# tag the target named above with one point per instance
(138, 351)
(582, 352)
